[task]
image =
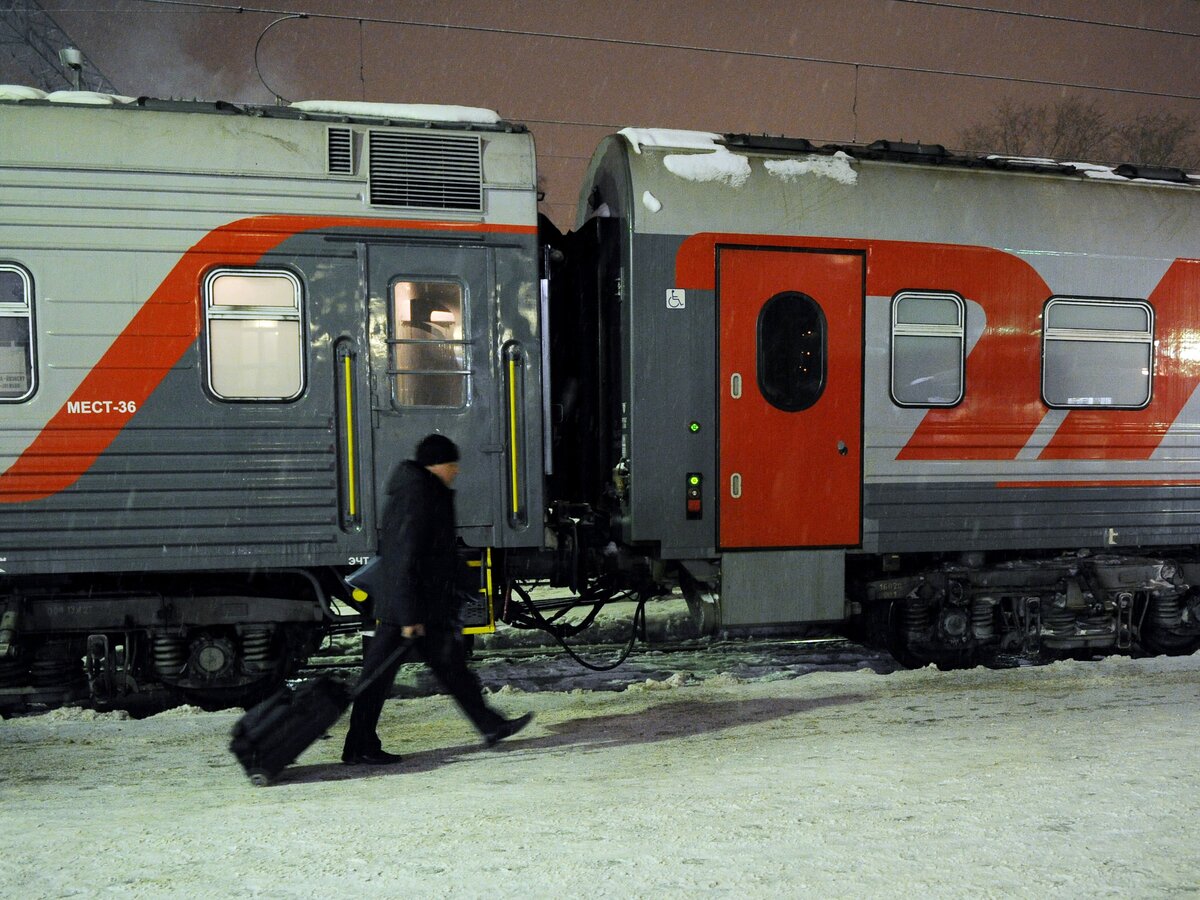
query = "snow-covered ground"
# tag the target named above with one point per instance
(1070, 780)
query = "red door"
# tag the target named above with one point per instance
(791, 397)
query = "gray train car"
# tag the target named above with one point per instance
(950, 398)
(222, 327)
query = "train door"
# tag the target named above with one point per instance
(431, 365)
(791, 338)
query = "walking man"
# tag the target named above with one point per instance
(418, 602)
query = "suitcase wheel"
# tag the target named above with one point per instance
(259, 778)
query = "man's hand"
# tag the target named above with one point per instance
(409, 631)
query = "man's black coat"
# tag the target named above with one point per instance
(417, 550)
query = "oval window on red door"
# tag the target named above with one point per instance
(791, 351)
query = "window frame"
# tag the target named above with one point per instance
(914, 329)
(28, 312)
(1097, 335)
(391, 342)
(220, 312)
(771, 396)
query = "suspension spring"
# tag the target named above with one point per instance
(982, 619)
(256, 647)
(1057, 620)
(170, 655)
(1166, 612)
(55, 666)
(918, 618)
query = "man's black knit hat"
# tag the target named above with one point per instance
(436, 449)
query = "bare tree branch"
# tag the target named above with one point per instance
(1081, 130)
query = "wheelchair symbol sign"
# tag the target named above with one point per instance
(676, 299)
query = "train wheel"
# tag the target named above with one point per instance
(897, 639)
(1161, 642)
(890, 622)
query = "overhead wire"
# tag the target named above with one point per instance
(1071, 20)
(691, 48)
(939, 4)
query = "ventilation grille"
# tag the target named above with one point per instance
(426, 170)
(341, 151)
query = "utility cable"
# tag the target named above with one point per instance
(1070, 20)
(663, 45)
(537, 620)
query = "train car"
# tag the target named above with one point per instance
(223, 326)
(948, 398)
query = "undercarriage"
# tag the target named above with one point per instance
(213, 642)
(969, 612)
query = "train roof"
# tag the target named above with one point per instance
(353, 112)
(830, 157)
(338, 157)
(681, 181)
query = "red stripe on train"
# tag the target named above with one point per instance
(995, 423)
(1168, 482)
(157, 337)
(1136, 433)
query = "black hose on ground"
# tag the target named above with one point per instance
(561, 632)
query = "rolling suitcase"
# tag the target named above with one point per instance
(269, 737)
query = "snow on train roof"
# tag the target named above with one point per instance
(710, 159)
(417, 112)
(716, 164)
(838, 167)
(90, 98)
(420, 112)
(719, 163)
(20, 92)
(1090, 170)
(670, 138)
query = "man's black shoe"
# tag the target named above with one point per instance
(507, 729)
(371, 758)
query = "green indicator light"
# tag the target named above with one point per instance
(694, 480)
(694, 427)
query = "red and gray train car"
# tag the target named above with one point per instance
(223, 327)
(948, 398)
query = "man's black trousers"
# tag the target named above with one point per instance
(444, 652)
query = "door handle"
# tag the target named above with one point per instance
(842, 448)
(735, 485)
(735, 386)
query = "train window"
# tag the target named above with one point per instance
(791, 351)
(18, 370)
(1097, 353)
(429, 358)
(928, 329)
(255, 343)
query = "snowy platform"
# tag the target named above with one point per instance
(1067, 780)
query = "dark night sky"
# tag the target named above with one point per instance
(828, 70)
